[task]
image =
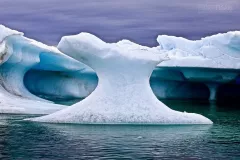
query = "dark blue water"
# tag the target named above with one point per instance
(28, 140)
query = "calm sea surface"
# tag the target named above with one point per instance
(28, 140)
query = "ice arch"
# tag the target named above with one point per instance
(19, 54)
(123, 94)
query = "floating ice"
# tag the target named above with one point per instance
(123, 94)
(18, 55)
(217, 51)
(212, 61)
(29, 69)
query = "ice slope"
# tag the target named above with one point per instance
(20, 54)
(10, 103)
(123, 94)
(216, 51)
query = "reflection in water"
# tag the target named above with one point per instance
(3, 136)
(28, 140)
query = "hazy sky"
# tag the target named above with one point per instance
(138, 20)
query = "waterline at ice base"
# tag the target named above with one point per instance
(123, 94)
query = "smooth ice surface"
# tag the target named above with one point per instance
(10, 103)
(22, 55)
(123, 94)
(217, 51)
(61, 85)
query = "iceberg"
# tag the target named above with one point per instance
(212, 61)
(113, 76)
(19, 55)
(217, 51)
(123, 94)
(190, 69)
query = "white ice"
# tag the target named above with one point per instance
(123, 94)
(20, 54)
(217, 51)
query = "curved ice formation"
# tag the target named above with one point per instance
(61, 85)
(123, 94)
(4, 33)
(18, 55)
(217, 51)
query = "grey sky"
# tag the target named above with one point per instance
(138, 20)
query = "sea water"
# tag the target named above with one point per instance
(28, 140)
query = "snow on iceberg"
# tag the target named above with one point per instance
(217, 51)
(19, 55)
(212, 61)
(123, 94)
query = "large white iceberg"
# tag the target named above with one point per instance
(194, 67)
(123, 94)
(188, 69)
